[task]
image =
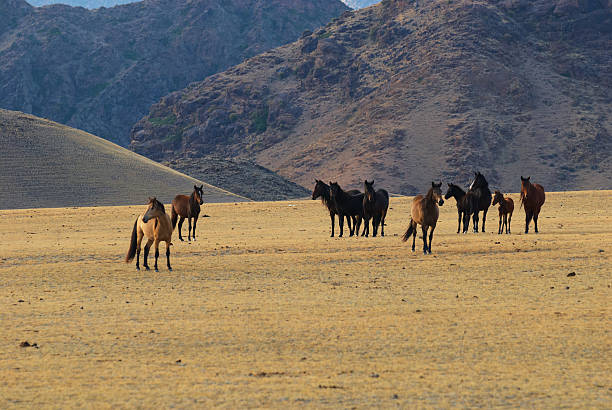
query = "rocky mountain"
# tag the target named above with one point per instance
(100, 70)
(406, 93)
(44, 164)
(359, 4)
(88, 4)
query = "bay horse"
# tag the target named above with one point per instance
(346, 205)
(184, 206)
(155, 224)
(321, 190)
(466, 206)
(425, 212)
(506, 207)
(532, 198)
(480, 188)
(375, 206)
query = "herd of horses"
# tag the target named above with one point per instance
(355, 207)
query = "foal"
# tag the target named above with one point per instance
(425, 212)
(506, 207)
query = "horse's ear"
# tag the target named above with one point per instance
(433, 184)
(372, 183)
(195, 187)
(201, 186)
(330, 183)
(150, 199)
(529, 177)
(448, 183)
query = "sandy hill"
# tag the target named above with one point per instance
(45, 164)
(100, 70)
(407, 91)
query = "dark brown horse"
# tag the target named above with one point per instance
(425, 212)
(321, 190)
(480, 188)
(532, 198)
(375, 206)
(466, 206)
(156, 226)
(506, 207)
(347, 205)
(184, 206)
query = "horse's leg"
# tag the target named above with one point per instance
(484, 218)
(145, 258)
(459, 221)
(195, 221)
(168, 255)
(332, 216)
(180, 226)
(500, 228)
(414, 226)
(528, 216)
(189, 229)
(138, 243)
(475, 222)
(431, 237)
(341, 224)
(509, 223)
(375, 223)
(466, 222)
(348, 223)
(382, 223)
(156, 254)
(424, 229)
(536, 214)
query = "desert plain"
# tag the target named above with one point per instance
(264, 309)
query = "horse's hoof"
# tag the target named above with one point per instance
(169, 269)
(182, 240)
(137, 268)
(147, 268)
(156, 270)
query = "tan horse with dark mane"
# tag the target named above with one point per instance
(184, 206)
(425, 212)
(506, 207)
(532, 198)
(155, 224)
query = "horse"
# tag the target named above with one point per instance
(506, 207)
(346, 205)
(321, 190)
(480, 188)
(375, 206)
(425, 212)
(532, 198)
(155, 224)
(466, 206)
(184, 206)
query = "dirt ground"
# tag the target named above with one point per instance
(265, 310)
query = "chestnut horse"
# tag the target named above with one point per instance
(425, 212)
(375, 206)
(184, 206)
(506, 207)
(155, 224)
(532, 198)
(321, 190)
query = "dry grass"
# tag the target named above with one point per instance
(46, 164)
(266, 310)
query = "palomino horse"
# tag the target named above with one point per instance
(347, 205)
(532, 198)
(480, 188)
(466, 206)
(425, 212)
(184, 206)
(506, 207)
(321, 190)
(375, 206)
(155, 224)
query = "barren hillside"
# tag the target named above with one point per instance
(405, 92)
(45, 164)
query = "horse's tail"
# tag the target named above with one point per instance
(132, 251)
(174, 217)
(409, 231)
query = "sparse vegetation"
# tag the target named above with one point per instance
(167, 120)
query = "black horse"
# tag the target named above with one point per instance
(480, 188)
(321, 190)
(466, 206)
(375, 206)
(347, 205)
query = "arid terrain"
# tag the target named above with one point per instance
(266, 310)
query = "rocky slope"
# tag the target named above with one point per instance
(100, 70)
(407, 93)
(44, 164)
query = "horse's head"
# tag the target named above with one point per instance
(436, 191)
(334, 189)
(320, 189)
(369, 192)
(525, 183)
(452, 191)
(498, 197)
(154, 210)
(478, 182)
(198, 193)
